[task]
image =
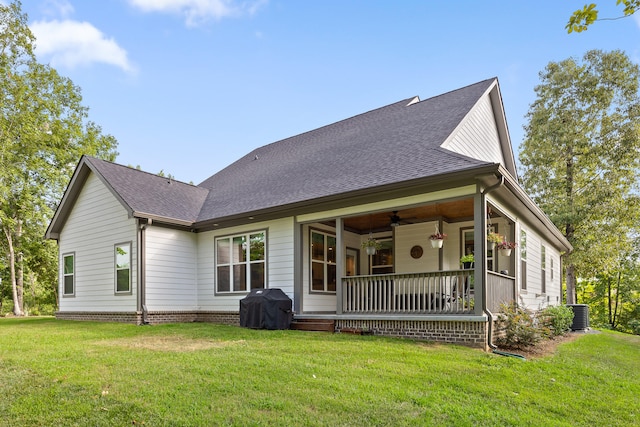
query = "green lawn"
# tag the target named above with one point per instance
(60, 373)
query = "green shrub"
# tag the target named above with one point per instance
(517, 327)
(634, 324)
(555, 320)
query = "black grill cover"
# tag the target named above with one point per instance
(266, 309)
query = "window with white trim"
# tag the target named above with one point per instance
(123, 268)
(241, 262)
(523, 259)
(543, 263)
(69, 274)
(323, 262)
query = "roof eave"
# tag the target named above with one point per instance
(394, 190)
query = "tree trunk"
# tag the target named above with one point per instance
(609, 317)
(571, 284)
(614, 321)
(569, 229)
(12, 273)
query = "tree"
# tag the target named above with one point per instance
(580, 20)
(43, 133)
(580, 161)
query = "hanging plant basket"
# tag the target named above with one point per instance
(371, 245)
(437, 239)
(505, 247)
(436, 243)
(505, 252)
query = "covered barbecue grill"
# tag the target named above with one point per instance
(266, 309)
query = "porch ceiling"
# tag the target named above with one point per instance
(453, 211)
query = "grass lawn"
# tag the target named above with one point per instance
(61, 373)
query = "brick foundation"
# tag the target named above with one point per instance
(469, 333)
(153, 317)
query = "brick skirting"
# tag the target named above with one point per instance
(153, 317)
(471, 333)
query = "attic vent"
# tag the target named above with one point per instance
(414, 101)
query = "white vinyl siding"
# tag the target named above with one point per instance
(97, 223)
(279, 268)
(171, 274)
(477, 135)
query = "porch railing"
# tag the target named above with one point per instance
(500, 289)
(439, 292)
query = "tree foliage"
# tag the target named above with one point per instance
(580, 20)
(580, 158)
(43, 132)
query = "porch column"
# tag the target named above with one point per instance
(297, 266)
(340, 260)
(480, 250)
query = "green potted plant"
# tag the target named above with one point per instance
(493, 239)
(437, 239)
(467, 261)
(371, 245)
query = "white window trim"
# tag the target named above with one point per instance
(325, 263)
(247, 263)
(116, 269)
(63, 275)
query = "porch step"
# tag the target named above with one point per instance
(319, 325)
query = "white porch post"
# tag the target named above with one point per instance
(480, 251)
(297, 266)
(340, 261)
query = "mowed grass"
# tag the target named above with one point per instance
(61, 373)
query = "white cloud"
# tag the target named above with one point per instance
(197, 12)
(71, 44)
(57, 8)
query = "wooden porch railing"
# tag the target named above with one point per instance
(500, 289)
(439, 292)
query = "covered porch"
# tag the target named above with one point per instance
(407, 276)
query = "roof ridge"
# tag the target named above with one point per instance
(334, 123)
(91, 158)
(457, 90)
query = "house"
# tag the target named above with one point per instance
(137, 247)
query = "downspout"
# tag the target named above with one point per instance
(142, 270)
(492, 346)
(483, 195)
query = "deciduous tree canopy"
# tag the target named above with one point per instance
(582, 18)
(43, 132)
(580, 158)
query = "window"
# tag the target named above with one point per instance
(68, 274)
(323, 262)
(240, 262)
(543, 263)
(123, 267)
(382, 261)
(523, 259)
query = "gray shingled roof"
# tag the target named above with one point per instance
(149, 194)
(397, 143)
(390, 145)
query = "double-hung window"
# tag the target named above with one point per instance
(323, 262)
(240, 262)
(68, 274)
(123, 267)
(523, 259)
(543, 264)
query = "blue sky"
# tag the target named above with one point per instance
(189, 86)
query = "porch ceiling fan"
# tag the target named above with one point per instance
(396, 220)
